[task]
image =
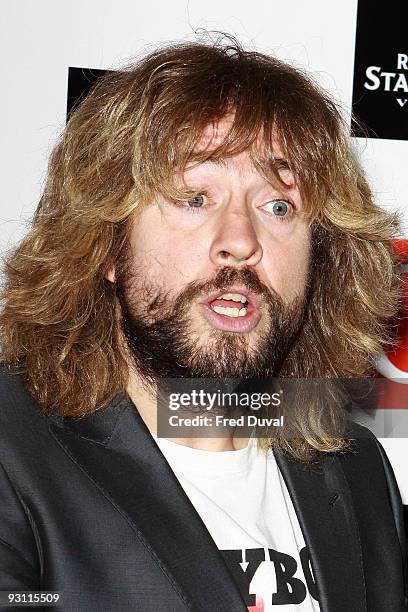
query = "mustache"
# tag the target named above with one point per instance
(225, 277)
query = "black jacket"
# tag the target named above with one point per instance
(90, 508)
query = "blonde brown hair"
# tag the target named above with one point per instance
(124, 142)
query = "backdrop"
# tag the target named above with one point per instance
(359, 56)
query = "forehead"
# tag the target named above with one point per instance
(214, 135)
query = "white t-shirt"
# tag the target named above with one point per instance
(243, 500)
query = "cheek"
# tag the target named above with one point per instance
(287, 265)
(164, 258)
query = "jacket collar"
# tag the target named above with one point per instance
(115, 449)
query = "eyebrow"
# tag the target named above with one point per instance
(280, 162)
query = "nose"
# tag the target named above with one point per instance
(235, 241)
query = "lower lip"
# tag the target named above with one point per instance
(232, 324)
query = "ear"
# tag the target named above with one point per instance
(110, 273)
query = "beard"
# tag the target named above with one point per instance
(163, 343)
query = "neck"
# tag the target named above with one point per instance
(145, 400)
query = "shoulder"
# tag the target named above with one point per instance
(365, 457)
(20, 414)
(12, 386)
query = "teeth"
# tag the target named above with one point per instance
(230, 312)
(235, 297)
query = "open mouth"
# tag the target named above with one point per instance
(230, 305)
(234, 309)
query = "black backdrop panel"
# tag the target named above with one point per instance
(80, 81)
(380, 86)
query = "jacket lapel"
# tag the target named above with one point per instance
(323, 504)
(115, 449)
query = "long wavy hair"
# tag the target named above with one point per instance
(124, 142)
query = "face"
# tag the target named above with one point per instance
(215, 286)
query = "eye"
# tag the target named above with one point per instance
(279, 208)
(196, 202)
(193, 204)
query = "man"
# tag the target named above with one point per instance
(203, 218)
